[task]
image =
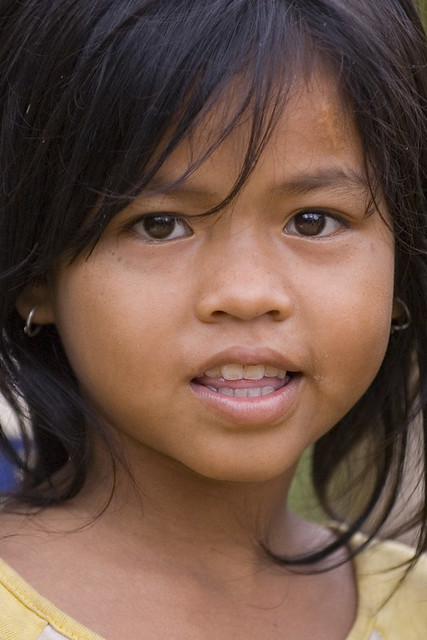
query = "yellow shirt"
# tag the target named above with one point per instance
(383, 614)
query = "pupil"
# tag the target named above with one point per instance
(310, 224)
(159, 227)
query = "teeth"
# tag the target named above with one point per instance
(213, 373)
(246, 393)
(254, 372)
(266, 390)
(272, 372)
(226, 391)
(232, 372)
(245, 372)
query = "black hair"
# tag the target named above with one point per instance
(96, 94)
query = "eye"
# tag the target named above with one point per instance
(162, 228)
(313, 224)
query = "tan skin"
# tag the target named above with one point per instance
(174, 555)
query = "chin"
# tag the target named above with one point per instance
(243, 472)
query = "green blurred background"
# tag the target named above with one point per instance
(423, 9)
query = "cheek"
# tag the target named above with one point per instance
(354, 333)
(114, 338)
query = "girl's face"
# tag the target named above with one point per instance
(230, 343)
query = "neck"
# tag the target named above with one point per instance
(161, 505)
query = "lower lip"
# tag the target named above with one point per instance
(250, 411)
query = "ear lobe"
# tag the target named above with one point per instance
(39, 298)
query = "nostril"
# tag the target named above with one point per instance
(245, 315)
(242, 301)
(276, 314)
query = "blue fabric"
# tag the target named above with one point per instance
(7, 470)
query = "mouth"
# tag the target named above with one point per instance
(244, 381)
(249, 387)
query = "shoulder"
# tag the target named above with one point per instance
(17, 618)
(392, 601)
(26, 615)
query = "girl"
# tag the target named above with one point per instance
(213, 254)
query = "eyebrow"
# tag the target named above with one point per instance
(333, 178)
(325, 179)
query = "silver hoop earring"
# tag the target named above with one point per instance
(404, 320)
(31, 330)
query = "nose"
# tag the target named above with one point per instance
(244, 285)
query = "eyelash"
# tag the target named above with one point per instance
(315, 219)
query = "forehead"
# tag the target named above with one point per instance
(314, 131)
(317, 110)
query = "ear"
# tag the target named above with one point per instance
(38, 297)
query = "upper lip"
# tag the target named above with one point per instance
(248, 356)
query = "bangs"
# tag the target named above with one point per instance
(148, 74)
(100, 98)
